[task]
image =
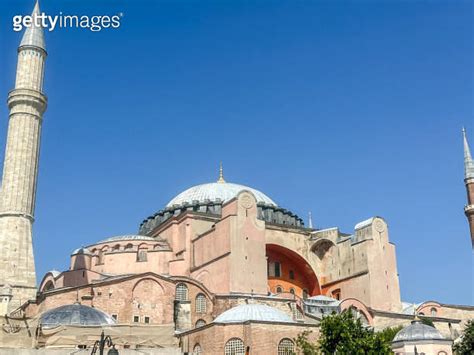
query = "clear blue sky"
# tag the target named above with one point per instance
(348, 109)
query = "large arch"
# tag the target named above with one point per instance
(295, 273)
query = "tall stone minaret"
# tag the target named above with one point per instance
(469, 181)
(27, 104)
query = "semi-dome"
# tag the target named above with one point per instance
(75, 314)
(417, 331)
(118, 238)
(253, 312)
(217, 191)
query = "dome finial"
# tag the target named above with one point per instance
(221, 174)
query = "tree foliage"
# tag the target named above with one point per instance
(466, 345)
(343, 334)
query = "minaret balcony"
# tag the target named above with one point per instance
(469, 209)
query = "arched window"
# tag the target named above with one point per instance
(286, 347)
(201, 303)
(129, 246)
(292, 291)
(200, 323)
(279, 289)
(181, 292)
(142, 254)
(234, 346)
(49, 286)
(116, 247)
(100, 258)
(197, 350)
(433, 312)
(305, 294)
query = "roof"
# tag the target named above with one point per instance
(126, 237)
(364, 224)
(253, 312)
(82, 251)
(418, 331)
(323, 300)
(75, 314)
(217, 191)
(34, 35)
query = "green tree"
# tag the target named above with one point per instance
(466, 345)
(343, 334)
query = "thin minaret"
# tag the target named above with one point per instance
(310, 220)
(27, 104)
(469, 182)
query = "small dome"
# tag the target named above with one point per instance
(75, 314)
(118, 238)
(255, 312)
(418, 331)
(222, 191)
(82, 251)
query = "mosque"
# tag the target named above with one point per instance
(220, 269)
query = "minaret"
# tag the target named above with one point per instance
(469, 181)
(27, 104)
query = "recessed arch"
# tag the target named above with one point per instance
(294, 272)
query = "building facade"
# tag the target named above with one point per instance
(220, 269)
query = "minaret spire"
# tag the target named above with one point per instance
(469, 182)
(468, 162)
(310, 220)
(27, 104)
(221, 174)
(34, 35)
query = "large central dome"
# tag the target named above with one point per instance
(217, 191)
(222, 191)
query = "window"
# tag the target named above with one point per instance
(116, 247)
(128, 247)
(336, 294)
(100, 258)
(197, 350)
(200, 323)
(292, 275)
(114, 316)
(201, 304)
(279, 289)
(292, 291)
(147, 320)
(234, 346)
(286, 347)
(433, 312)
(142, 255)
(277, 269)
(305, 294)
(136, 319)
(181, 292)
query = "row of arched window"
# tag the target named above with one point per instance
(235, 346)
(182, 294)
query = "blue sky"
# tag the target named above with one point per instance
(348, 109)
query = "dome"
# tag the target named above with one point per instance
(418, 331)
(118, 238)
(255, 312)
(75, 314)
(222, 191)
